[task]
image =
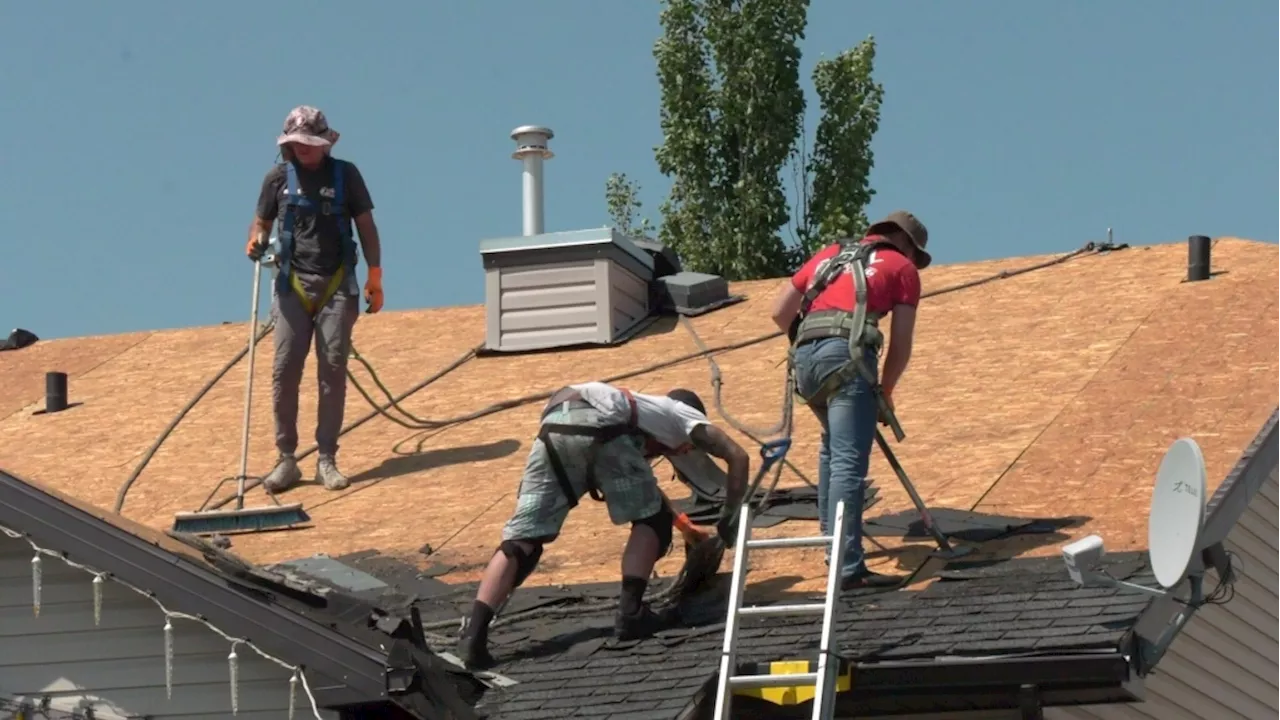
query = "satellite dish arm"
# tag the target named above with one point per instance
(1091, 577)
(1150, 649)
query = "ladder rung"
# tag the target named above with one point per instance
(798, 609)
(789, 542)
(768, 681)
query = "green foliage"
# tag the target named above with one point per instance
(622, 198)
(837, 176)
(732, 116)
(731, 109)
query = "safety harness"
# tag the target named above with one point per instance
(860, 326)
(297, 202)
(570, 399)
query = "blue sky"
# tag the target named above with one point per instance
(136, 134)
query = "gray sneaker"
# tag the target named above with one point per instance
(327, 474)
(284, 475)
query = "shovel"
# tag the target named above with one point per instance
(703, 550)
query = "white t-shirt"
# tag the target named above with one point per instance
(670, 422)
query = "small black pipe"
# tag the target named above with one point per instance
(55, 392)
(1197, 258)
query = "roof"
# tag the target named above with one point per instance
(1026, 611)
(335, 637)
(1048, 395)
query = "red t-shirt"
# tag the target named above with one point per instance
(892, 279)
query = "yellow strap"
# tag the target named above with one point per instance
(335, 282)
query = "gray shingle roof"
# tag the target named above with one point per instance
(571, 666)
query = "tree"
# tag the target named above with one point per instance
(834, 186)
(729, 130)
(732, 115)
(622, 197)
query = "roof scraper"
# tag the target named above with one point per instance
(242, 519)
(705, 551)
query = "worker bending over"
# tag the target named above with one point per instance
(314, 197)
(598, 439)
(830, 310)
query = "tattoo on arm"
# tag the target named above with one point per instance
(714, 441)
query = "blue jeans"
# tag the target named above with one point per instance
(848, 421)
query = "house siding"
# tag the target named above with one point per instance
(118, 666)
(1223, 665)
(548, 305)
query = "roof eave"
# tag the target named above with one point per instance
(183, 586)
(956, 684)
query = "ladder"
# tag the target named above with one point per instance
(823, 680)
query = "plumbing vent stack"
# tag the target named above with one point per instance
(531, 149)
(55, 392)
(1197, 258)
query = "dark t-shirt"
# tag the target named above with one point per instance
(317, 240)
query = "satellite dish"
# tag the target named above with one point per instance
(1177, 512)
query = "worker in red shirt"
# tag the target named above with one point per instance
(831, 311)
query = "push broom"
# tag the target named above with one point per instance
(242, 519)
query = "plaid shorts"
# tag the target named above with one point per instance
(621, 471)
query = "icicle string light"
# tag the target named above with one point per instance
(36, 579)
(233, 667)
(168, 657)
(299, 677)
(97, 600)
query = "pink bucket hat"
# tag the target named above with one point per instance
(307, 125)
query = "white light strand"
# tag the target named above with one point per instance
(299, 677)
(233, 669)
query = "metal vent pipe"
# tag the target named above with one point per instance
(531, 149)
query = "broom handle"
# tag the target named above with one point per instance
(248, 386)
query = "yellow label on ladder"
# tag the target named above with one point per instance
(791, 694)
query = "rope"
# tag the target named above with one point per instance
(414, 422)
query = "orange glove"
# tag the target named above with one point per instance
(373, 289)
(692, 533)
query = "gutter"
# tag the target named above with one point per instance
(1027, 683)
(184, 586)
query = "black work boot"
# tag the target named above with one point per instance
(643, 623)
(868, 579)
(473, 648)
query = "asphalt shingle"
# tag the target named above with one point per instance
(1015, 607)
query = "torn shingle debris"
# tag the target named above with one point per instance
(1026, 610)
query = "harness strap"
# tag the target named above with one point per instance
(336, 205)
(860, 325)
(330, 290)
(570, 399)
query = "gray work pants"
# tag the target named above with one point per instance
(332, 328)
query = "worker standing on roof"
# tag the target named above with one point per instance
(314, 197)
(830, 310)
(596, 438)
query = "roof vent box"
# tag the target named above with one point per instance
(687, 291)
(565, 288)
